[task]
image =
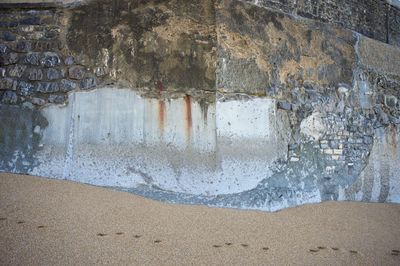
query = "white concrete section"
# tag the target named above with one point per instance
(251, 136)
(113, 137)
(248, 119)
(120, 116)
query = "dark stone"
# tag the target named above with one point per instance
(57, 99)
(8, 36)
(8, 59)
(3, 48)
(47, 87)
(6, 84)
(16, 70)
(69, 60)
(12, 24)
(76, 72)
(50, 60)
(23, 46)
(284, 106)
(50, 34)
(25, 88)
(53, 74)
(88, 83)
(35, 74)
(390, 101)
(9, 97)
(32, 59)
(30, 21)
(67, 85)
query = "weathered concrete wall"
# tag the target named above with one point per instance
(222, 102)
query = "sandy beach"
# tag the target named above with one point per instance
(54, 222)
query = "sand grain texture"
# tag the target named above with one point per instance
(54, 222)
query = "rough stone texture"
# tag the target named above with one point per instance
(228, 103)
(377, 19)
(394, 26)
(379, 56)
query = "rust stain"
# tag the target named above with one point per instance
(188, 112)
(161, 115)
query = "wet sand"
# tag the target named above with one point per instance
(54, 222)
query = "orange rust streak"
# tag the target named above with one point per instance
(161, 115)
(188, 107)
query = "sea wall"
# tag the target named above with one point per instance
(247, 104)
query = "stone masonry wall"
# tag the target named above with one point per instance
(376, 19)
(36, 66)
(249, 104)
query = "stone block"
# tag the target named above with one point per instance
(88, 83)
(53, 74)
(50, 59)
(32, 59)
(69, 60)
(16, 70)
(30, 21)
(8, 36)
(9, 97)
(48, 87)
(6, 84)
(38, 101)
(66, 85)
(57, 99)
(35, 74)
(76, 72)
(23, 46)
(8, 59)
(25, 88)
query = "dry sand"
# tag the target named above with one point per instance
(54, 222)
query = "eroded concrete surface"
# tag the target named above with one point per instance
(224, 103)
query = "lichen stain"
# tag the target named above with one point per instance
(204, 111)
(284, 47)
(188, 116)
(172, 41)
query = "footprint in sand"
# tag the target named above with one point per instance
(101, 234)
(244, 245)
(41, 226)
(119, 233)
(395, 252)
(265, 248)
(335, 248)
(157, 241)
(228, 243)
(3, 218)
(353, 251)
(217, 246)
(320, 247)
(313, 250)
(20, 222)
(137, 236)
